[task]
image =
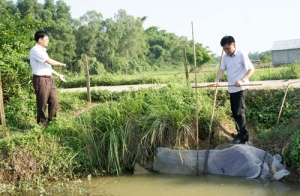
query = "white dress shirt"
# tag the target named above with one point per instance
(38, 57)
(236, 67)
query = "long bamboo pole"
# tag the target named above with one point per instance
(211, 120)
(197, 129)
(213, 85)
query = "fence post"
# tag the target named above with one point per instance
(2, 111)
(87, 79)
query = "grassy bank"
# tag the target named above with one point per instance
(123, 128)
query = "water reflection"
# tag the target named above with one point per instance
(180, 185)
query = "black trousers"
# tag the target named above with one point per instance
(238, 108)
(45, 91)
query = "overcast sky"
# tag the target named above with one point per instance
(255, 24)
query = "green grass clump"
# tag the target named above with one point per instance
(293, 154)
(36, 158)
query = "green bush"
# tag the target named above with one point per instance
(293, 155)
(20, 111)
(35, 158)
(263, 106)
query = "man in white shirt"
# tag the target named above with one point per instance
(43, 83)
(239, 69)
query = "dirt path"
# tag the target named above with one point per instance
(271, 84)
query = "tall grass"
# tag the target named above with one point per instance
(121, 133)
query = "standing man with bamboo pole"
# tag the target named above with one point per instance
(239, 69)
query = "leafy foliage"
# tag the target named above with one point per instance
(15, 34)
(293, 154)
(203, 55)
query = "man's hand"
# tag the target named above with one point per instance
(216, 83)
(213, 84)
(62, 78)
(239, 83)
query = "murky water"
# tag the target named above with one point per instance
(177, 185)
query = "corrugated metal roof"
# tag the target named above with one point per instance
(286, 44)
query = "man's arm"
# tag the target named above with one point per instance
(54, 62)
(219, 76)
(248, 74)
(246, 77)
(61, 77)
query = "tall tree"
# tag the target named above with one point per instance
(131, 38)
(124, 43)
(165, 48)
(30, 7)
(62, 39)
(203, 54)
(49, 11)
(88, 33)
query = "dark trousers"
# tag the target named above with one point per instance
(238, 108)
(45, 91)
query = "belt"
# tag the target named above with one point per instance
(41, 76)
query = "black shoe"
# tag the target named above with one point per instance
(240, 139)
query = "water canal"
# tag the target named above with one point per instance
(174, 185)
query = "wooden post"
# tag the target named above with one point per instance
(87, 79)
(197, 116)
(2, 111)
(185, 66)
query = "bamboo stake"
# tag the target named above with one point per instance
(197, 129)
(287, 88)
(211, 120)
(87, 79)
(3, 122)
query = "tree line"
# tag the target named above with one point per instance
(119, 44)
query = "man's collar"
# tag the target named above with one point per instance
(234, 53)
(43, 48)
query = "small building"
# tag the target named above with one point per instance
(285, 52)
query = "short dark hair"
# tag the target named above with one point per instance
(40, 34)
(227, 40)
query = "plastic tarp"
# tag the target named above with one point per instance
(238, 160)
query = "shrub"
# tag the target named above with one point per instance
(293, 154)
